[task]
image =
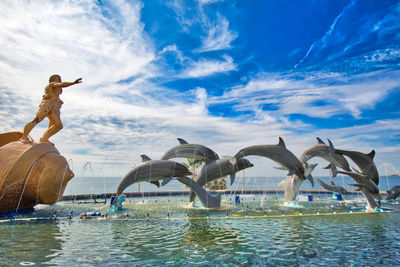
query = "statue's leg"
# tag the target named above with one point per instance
(40, 115)
(55, 125)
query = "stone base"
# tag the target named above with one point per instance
(30, 173)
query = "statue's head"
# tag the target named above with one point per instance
(55, 78)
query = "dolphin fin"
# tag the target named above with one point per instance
(371, 154)
(327, 166)
(156, 183)
(166, 180)
(145, 157)
(334, 170)
(320, 141)
(181, 141)
(331, 148)
(281, 142)
(310, 178)
(233, 176)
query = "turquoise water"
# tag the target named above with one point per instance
(207, 238)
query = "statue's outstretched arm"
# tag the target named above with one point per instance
(66, 84)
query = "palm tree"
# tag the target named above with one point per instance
(218, 184)
(194, 166)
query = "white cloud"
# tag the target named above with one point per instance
(110, 123)
(219, 36)
(320, 96)
(206, 2)
(72, 39)
(207, 67)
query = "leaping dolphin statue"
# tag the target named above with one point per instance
(152, 171)
(191, 151)
(363, 181)
(208, 200)
(323, 151)
(363, 162)
(371, 202)
(333, 187)
(291, 184)
(280, 154)
(220, 168)
(393, 193)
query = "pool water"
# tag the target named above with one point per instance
(143, 235)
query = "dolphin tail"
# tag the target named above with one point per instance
(233, 176)
(192, 196)
(310, 178)
(370, 200)
(166, 181)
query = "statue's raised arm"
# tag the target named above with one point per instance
(50, 108)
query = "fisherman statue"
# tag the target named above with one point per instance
(32, 172)
(50, 108)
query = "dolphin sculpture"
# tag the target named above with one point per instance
(364, 163)
(322, 150)
(208, 200)
(280, 154)
(191, 151)
(291, 184)
(152, 171)
(364, 181)
(220, 168)
(333, 187)
(371, 202)
(393, 193)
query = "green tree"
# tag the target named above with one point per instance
(217, 184)
(193, 166)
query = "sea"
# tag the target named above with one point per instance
(99, 185)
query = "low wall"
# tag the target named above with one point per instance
(186, 192)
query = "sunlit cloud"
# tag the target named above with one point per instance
(206, 67)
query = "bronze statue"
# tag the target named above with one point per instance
(50, 108)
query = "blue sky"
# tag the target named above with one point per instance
(225, 74)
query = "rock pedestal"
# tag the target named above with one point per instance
(30, 173)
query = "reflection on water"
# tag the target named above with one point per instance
(28, 244)
(344, 240)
